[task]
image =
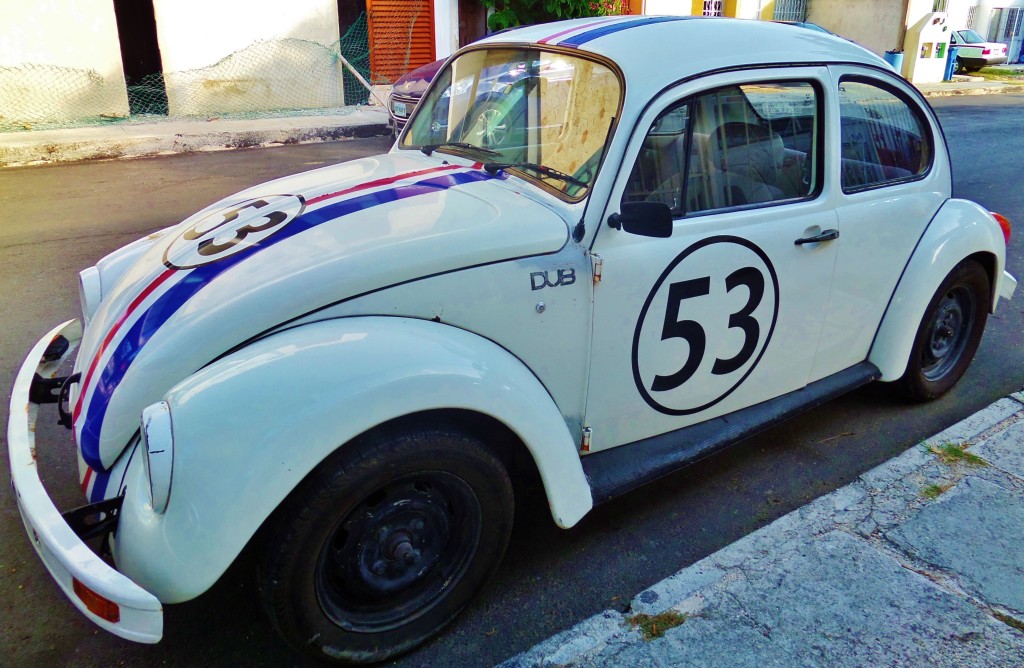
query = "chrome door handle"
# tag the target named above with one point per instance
(826, 235)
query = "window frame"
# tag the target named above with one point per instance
(928, 133)
(527, 175)
(820, 130)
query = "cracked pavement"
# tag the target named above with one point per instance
(918, 562)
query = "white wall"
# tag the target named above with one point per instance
(874, 24)
(241, 55)
(748, 9)
(982, 25)
(59, 60)
(446, 27)
(668, 7)
(929, 30)
(956, 13)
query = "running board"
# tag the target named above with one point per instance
(618, 470)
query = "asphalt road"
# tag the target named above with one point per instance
(57, 220)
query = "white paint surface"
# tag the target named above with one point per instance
(874, 24)
(668, 7)
(241, 56)
(60, 60)
(446, 27)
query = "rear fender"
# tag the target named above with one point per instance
(248, 428)
(959, 230)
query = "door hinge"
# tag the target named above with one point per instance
(585, 440)
(598, 266)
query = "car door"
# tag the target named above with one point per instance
(893, 176)
(725, 312)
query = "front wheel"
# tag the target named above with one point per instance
(949, 333)
(385, 543)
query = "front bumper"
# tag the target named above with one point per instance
(67, 557)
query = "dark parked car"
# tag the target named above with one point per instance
(407, 93)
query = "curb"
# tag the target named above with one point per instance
(869, 516)
(987, 90)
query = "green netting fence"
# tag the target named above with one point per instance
(267, 78)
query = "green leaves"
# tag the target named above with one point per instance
(511, 13)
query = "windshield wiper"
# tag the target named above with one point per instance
(430, 148)
(493, 167)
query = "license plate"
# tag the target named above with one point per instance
(400, 109)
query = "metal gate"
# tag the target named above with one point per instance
(1012, 33)
(790, 10)
(1005, 26)
(713, 7)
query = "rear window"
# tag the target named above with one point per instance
(884, 138)
(970, 37)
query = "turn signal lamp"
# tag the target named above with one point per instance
(1004, 224)
(96, 604)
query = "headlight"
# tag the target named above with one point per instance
(158, 453)
(90, 292)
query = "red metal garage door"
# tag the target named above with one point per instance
(401, 37)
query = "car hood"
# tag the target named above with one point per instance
(414, 83)
(278, 251)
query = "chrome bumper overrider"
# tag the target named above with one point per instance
(139, 615)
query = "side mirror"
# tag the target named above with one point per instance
(647, 219)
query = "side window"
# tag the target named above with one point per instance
(657, 174)
(884, 138)
(735, 146)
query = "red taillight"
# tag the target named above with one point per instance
(1004, 224)
(96, 604)
(986, 52)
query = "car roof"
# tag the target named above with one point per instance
(640, 45)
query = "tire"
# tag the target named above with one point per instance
(385, 543)
(949, 333)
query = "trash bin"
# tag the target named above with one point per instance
(950, 63)
(895, 58)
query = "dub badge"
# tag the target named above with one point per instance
(232, 229)
(705, 325)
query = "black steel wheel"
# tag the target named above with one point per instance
(949, 333)
(385, 543)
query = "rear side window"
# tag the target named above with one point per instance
(737, 146)
(885, 139)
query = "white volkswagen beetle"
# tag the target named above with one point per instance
(664, 235)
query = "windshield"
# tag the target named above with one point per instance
(971, 37)
(549, 113)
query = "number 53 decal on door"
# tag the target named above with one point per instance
(705, 325)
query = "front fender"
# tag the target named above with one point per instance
(248, 428)
(958, 230)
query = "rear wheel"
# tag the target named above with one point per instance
(949, 333)
(386, 543)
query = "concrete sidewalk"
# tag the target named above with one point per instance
(969, 85)
(132, 140)
(920, 562)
